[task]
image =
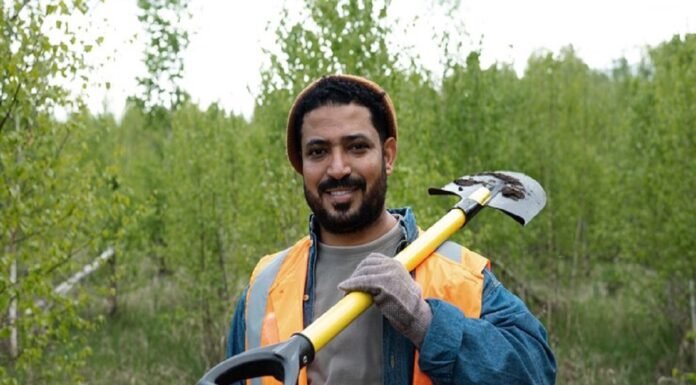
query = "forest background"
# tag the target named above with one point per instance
(179, 202)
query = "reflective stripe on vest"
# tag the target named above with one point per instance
(257, 298)
(256, 302)
(450, 250)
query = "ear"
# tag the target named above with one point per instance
(389, 152)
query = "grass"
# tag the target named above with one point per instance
(618, 338)
(607, 343)
(143, 348)
(154, 338)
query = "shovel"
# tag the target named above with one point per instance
(515, 194)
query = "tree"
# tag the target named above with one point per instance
(159, 95)
(50, 202)
(162, 20)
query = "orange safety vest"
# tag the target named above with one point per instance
(276, 293)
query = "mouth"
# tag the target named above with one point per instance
(341, 195)
(340, 192)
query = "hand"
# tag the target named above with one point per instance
(395, 293)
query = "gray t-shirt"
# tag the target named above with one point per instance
(355, 355)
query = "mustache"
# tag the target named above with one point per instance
(346, 182)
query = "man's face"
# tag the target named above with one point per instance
(344, 167)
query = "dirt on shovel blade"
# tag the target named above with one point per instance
(513, 188)
(465, 182)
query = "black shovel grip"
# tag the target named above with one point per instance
(283, 361)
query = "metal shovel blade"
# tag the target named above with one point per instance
(514, 193)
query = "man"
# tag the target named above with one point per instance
(450, 322)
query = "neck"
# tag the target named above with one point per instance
(378, 228)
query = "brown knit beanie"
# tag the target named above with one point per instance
(295, 121)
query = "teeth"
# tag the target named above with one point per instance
(339, 192)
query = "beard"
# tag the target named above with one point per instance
(340, 219)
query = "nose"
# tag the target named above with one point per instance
(339, 167)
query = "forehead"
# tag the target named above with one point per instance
(332, 120)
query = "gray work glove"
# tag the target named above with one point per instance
(395, 293)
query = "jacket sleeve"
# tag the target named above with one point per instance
(235, 338)
(507, 345)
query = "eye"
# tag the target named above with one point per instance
(359, 147)
(315, 152)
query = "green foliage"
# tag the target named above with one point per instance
(604, 336)
(662, 149)
(162, 20)
(201, 217)
(191, 198)
(55, 202)
(142, 346)
(334, 36)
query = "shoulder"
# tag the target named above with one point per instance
(274, 260)
(453, 253)
(450, 252)
(453, 264)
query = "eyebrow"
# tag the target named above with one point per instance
(354, 137)
(315, 143)
(344, 139)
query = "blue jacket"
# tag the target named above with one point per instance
(507, 345)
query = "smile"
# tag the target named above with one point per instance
(338, 193)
